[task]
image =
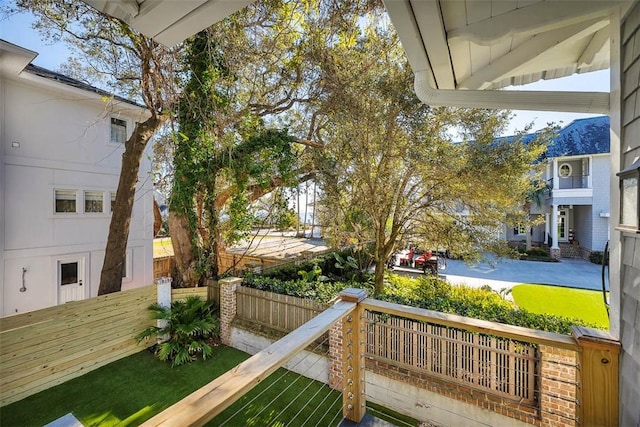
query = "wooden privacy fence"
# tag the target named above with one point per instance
(47, 347)
(281, 312)
(163, 266)
(182, 293)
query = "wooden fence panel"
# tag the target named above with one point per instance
(44, 348)
(281, 312)
(163, 266)
(502, 367)
(183, 293)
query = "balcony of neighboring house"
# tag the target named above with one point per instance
(570, 179)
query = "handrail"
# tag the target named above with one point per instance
(476, 325)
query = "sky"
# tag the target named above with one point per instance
(17, 30)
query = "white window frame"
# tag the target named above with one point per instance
(55, 199)
(568, 167)
(122, 122)
(84, 202)
(112, 200)
(519, 230)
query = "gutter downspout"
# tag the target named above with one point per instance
(576, 102)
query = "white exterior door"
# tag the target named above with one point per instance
(563, 230)
(71, 279)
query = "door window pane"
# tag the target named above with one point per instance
(68, 273)
(93, 201)
(65, 201)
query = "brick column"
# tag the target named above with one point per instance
(558, 387)
(228, 304)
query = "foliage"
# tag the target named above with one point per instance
(427, 292)
(535, 254)
(321, 291)
(312, 275)
(596, 257)
(391, 171)
(436, 294)
(327, 264)
(190, 326)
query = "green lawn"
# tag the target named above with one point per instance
(132, 390)
(576, 303)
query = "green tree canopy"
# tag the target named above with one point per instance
(394, 169)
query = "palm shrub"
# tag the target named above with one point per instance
(190, 325)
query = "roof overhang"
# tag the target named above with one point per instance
(463, 51)
(14, 58)
(169, 21)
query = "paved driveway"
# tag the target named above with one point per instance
(576, 273)
(570, 272)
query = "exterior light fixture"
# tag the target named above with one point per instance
(630, 197)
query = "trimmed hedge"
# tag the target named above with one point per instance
(427, 292)
(435, 294)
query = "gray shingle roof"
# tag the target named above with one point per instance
(61, 78)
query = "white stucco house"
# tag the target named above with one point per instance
(62, 143)
(577, 172)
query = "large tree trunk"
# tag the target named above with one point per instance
(181, 239)
(157, 218)
(116, 249)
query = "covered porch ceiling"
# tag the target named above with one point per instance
(169, 21)
(462, 51)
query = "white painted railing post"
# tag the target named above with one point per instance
(163, 285)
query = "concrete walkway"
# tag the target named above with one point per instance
(575, 273)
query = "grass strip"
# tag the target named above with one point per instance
(582, 304)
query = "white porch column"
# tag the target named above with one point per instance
(555, 248)
(547, 228)
(554, 175)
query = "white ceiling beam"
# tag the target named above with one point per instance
(576, 102)
(407, 29)
(435, 39)
(167, 21)
(198, 19)
(599, 41)
(537, 18)
(156, 16)
(527, 52)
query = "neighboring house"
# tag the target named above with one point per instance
(62, 143)
(576, 208)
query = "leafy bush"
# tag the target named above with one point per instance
(435, 294)
(596, 257)
(318, 291)
(350, 268)
(190, 326)
(537, 251)
(427, 292)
